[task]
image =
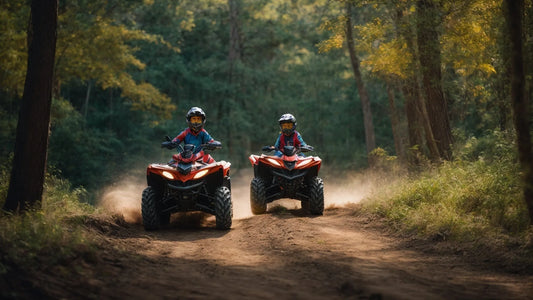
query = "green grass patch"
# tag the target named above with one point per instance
(459, 200)
(39, 239)
(477, 205)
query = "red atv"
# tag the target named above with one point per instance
(191, 181)
(289, 176)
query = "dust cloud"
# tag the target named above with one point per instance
(124, 198)
(347, 190)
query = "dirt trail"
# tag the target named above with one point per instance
(287, 255)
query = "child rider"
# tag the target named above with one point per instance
(195, 134)
(288, 136)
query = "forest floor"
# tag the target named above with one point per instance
(283, 254)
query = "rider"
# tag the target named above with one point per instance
(195, 134)
(288, 135)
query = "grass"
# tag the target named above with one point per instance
(475, 200)
(51, 236)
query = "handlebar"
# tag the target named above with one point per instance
(305, 148)
(169, 144)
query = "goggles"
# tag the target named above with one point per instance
(195, 119)
(287, 125)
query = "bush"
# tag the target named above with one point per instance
(46, 237)
(477, 196)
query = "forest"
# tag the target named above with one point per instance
(126, 73)
(433, 92)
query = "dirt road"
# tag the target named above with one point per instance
(287, 255)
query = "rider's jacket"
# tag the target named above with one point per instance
(201, 137)
(295, 139)
(189, 137)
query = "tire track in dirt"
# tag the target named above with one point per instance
(285, 254)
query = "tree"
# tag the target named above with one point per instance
(428, 23)
(370, 136)
(29, 164)
(520, 103)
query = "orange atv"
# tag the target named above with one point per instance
(191, 181)
(289, 176)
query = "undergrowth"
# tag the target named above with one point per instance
(475, 199)
(51, 236)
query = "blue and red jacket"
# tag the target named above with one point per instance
(196, 139)
(283, 140)
(189, 137)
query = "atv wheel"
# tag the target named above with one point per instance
(305, 206)
(258, 196)
(150, 212)
(164, 219)
(316, 196)
(223, 208)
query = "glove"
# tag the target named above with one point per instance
(168, 145)
(268, 148)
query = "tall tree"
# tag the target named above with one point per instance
(417, 115)
(29, 163)
(370, 136)
(428, 24)
(514, 9)
(395, 123)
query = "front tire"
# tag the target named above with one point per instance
(150, 211)
(258, 196)
(223, 208)
(316, 196)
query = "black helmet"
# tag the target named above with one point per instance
(195, 112)
(287, 118)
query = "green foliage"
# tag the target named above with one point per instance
(127, 72)
(94, 45)
(46, 238)
(13, 50)
(466, 200)
(91, 154)
(494, 146)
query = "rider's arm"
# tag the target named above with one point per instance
(181, 137)
(276, 145)
(206, 138)
(302, 143)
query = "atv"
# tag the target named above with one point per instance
(191, 181)
(290, 176)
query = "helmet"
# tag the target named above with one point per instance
(195, 112)
(287, 119)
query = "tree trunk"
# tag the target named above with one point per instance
(234, 37)
(29, 163)
(370, 137)
(417, 115)
(395, 124)
(414, 124)
(514, 9)
(234, 56)
(428, 22)
(86, 103)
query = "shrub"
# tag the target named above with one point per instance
(45, 237)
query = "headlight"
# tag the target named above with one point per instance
(200, 174)
(274, 162)
(168, 175)
(304, 162)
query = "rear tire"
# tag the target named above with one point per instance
(164, 219)
(316, 196)
(305, 206)
(223, 208)
(150, 211)
(258, 196)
